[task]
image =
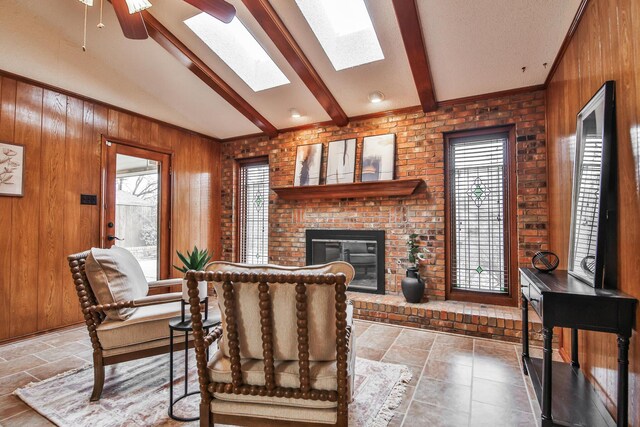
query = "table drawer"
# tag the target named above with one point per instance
(535, 299)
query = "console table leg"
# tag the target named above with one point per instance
(574, 348)
(525, 332)
(623, 380)
(547, 360)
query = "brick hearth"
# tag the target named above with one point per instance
(480, 320)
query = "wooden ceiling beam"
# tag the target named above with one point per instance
(182, 53)
(271, 23)
(411, 31)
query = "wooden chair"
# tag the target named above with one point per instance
(286, 345)
(143, 334)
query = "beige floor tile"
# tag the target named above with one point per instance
(370, 353)
(452, 396)
(416, 339)
(448, 372)
(501, 394)
(52, 369)
(29, 418)
(497, 370)
(9, 383)
(452, 354)
(484, 415)
(421, 414)
(74, 348)
(20, 364)
(406, 355)
(11, 405)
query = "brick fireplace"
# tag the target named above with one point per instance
(419, 154)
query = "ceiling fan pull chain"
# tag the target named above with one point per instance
(100, 24)
(84, 36)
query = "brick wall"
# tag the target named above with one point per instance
(419, 144)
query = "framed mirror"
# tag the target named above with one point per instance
(592, 243)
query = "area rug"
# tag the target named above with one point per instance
(136, 394)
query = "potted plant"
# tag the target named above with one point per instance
(195, 260)
(413, 285)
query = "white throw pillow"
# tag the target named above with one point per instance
(115, 275)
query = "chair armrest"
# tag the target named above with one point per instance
(157, 299)
(213, 335)
(140, 302)
(165, 282)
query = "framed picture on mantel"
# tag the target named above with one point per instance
(308, 161)
(341, 161)
(11, 169)
(378, 158)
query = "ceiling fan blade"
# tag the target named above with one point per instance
(219, 9)
(132, 24)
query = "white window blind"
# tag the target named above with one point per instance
(254, 213)
(477, 168)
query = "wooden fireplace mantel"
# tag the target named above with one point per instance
(397, 187)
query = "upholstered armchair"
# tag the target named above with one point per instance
(286, 345)
(123, 320)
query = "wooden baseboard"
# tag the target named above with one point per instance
(33, 334)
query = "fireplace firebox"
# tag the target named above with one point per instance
(363, 249)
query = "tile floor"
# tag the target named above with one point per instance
(457, 380)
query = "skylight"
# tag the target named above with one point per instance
(345, 31)
(239, 50)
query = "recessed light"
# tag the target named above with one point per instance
(295, 113)
(375, 97)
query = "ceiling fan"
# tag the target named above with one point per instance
(132, 23)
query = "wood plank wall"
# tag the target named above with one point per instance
(606, 46)
(61, 135)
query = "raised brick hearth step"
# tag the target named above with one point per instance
(480, 320)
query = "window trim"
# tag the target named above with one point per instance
(239, 163)
(511, 227)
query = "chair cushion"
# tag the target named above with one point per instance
(321, 312)
(323, 374)
(275, 412)
(146, 324)
(115, 275)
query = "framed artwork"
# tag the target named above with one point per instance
(308, 161)
(341, 161)
(378, 157)
(11, 169)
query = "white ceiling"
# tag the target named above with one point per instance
(480, 46)
(474, 47)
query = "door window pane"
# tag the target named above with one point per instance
(254, 213)
(477, 170)
(137, 205)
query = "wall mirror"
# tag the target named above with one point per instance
(592, 243)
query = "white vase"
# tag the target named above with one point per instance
(202, 290)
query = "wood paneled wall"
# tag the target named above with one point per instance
(606, 46)
(61, 135)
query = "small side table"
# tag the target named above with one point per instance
(177, 324)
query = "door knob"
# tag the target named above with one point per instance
(110, 238)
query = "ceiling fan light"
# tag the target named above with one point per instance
(87, 2)
(136, 5)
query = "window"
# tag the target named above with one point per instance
(234, 44)
(344, 30)
(253, 211)
(479, 252)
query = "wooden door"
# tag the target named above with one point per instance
(137, 209)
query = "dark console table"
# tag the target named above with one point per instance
(564, 301)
